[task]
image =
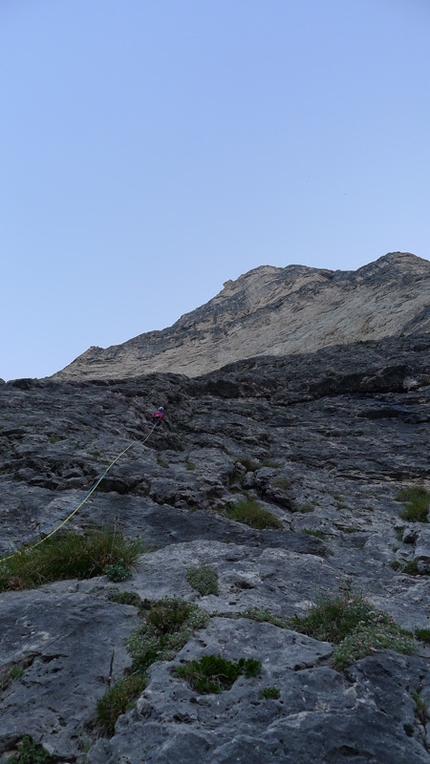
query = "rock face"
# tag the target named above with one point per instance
(324, 441)
(275, 311)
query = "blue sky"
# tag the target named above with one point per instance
(150, 151)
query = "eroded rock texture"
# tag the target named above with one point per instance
(323, 441)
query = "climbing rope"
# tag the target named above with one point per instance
(71, 510)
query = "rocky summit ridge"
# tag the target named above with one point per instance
(275, 311)
(325, 447)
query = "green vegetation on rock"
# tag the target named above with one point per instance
(263, 616)
(355, 627)
(167, 626)
(119, 699)
(270, 693)
(213, 673)
(68, 555)
(203, 580)
(417, 503)
(30, 752)
(249, 512)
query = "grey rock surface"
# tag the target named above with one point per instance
(320, 716)
(68, 647)
(324, 441)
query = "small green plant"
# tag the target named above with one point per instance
(395, 565)
(162, 462)
(212, 673)
(190, 466)
(127, 598)
(417, 502)
(249, 512)
(249, 464)
(306, 508)
(236, 480)
(168, 625)
(421, 710)
(54, 438)
(340, 501)
(119, 699)
(68, 555)
(317, 534)
(30, 752)
(282, 483)
(332, 619)
(423, 635)
(16, 672)
(270, 693)
(411, 568)
(263, 616)
(365, 640)
(203, 580)
(355, 627)
(119, 571)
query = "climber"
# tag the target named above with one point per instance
(158, 417)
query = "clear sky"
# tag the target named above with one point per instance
(152, 149)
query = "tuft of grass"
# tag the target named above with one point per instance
(15, 672)
(355, 627)
(68, 555)
(30, 752)
(423, 635)
(203, 580)
(162, 462)
(331, 620)
(367, 639)
(119, 699)
(411, 568)
(212, 673)
(270, 693)
(340, 501)
(263, 616)
(282, 483)
(249, 464)
(127, 598)
(249, 512)
(119, 571)
(252, 466)
(167, 627)
(421, 710)
(306, 508)
(395, 565)
(417, 503)
(317, 534)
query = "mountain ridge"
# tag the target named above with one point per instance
(275, 311)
